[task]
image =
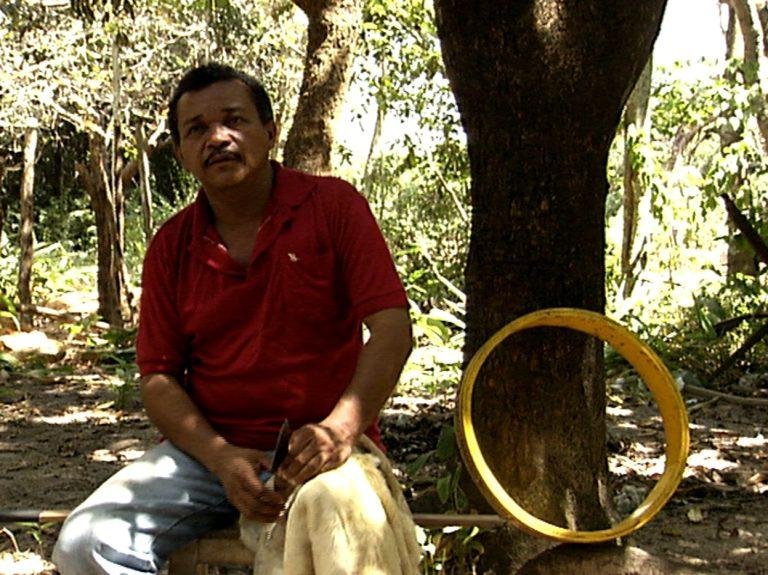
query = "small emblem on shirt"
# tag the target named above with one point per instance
(293, 257)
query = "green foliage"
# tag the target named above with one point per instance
(689, 339)
(115, 353)
(451, 550)
(419, 187)
(703, 143)
(434, 366)
(444, 463)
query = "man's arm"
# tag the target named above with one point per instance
(315, 448)
(180, 421)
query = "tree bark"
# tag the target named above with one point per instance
(333, 33)
(540, 86)
(762, 15)
(635, 131)
(729, 31)
(109, 274)
(754, 61)
(144, 188)
(26, 236)
(3, 199)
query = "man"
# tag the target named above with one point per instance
(252, 307)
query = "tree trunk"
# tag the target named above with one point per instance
(754, 61)
(762, 15)
(540, 86)
(144, 188)
(635, 132)
(729, 31)
(333, 33)
(109, 280)
(26, 236)
(741, 257)
(3, 199)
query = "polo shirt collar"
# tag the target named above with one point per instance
(290, 189)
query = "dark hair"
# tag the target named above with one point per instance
(207, 74)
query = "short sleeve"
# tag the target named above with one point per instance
(160, 345)
(368, 271)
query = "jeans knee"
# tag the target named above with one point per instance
(73, 550)
(89, 545)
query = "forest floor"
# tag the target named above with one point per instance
(67, 423)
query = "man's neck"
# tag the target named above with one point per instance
(243, 204)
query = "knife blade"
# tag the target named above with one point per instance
(281, 446)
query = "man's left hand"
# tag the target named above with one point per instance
(313, 449)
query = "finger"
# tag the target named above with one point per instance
(301, 438)
(265, 503)
(293, 465)
(263, 461)
(243, 502)
(270, 498)
(264, 517)
(307, 471)
(248, 480)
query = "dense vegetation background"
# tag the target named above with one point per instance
(91, 85)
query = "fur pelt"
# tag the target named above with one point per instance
(352, 520)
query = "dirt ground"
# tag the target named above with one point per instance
(62, 433)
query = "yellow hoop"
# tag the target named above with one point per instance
(652, 371)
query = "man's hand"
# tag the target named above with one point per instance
(313, 449)
(238, 470)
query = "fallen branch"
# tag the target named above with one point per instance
(702, 405)
(746, 228)
(703, 392)
(750, 342)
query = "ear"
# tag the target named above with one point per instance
(273, 131)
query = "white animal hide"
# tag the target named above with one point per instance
(352, 520)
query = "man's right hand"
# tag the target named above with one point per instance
(180, 421)
(238, 470)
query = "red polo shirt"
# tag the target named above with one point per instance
(278, 338)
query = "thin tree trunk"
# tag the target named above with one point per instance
(26, 236)
(635, 132)
(3, 199)
(762, 14)
(96, 179)
(729, 31)
(144, 187)
(332, 36)
(379, 202)
(753, 69)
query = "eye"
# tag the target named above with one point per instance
(194, 129)
(235, 120)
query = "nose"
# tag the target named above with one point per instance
(218, 134)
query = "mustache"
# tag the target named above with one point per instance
(220, 155)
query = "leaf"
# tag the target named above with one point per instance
(9, 359)
(446, 444)
(443, 487)
(416, 465)
(446, 317)
(695, 515)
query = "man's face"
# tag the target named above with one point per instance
(222, 140)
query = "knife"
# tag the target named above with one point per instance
(281, 446)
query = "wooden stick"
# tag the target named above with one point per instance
(429, 520)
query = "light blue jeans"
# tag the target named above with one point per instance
(133, 522)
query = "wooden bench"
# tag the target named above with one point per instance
(223, 547)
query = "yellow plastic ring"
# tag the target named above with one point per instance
(652, 371)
